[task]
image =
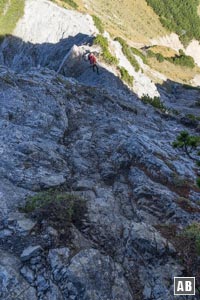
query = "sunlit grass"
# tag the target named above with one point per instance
(165, 51)
(174, 72)
(134, 20)
(67, 3)
(10, 13)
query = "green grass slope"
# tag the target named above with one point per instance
(134, 20)
(179, 16)
(10, 12)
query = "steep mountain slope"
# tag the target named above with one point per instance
(58, 25)
(95, 202)
(140, 25)
(58, 132)
(67, 28)
(128, 11)
(133, 19)
(45, 22)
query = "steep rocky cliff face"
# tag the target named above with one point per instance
(91, 137)
(46, 33)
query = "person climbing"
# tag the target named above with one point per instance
(93, 62)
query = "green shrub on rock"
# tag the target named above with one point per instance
(127, 51)
(107, 56)
(72, 3)
(182, 60)
(155, 102)
(190, 145)
(193, 231)
(98, 23)
(198, 182)
(125, 76)
(158, 56)
(140, 54)
(59, 209)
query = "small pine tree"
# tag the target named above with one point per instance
(190, 144)
(198, 182)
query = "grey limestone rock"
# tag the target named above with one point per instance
(30, 252)
(58, 257)
(28, 274)
(5, 233)
(92, 135)
(13, 285)
(23, 224)
(91, 275)
(51, 135)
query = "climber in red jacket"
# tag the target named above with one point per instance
(93, 62)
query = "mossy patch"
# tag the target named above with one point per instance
(60, 209)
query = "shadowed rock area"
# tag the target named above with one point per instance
(89, 137)
(55, 131)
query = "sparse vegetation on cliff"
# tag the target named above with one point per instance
(158, 56)
(180, 59)
(59, 208)
(66, 3)
(107, 56)
(98, 23)
(140, 54)
(193, 232)
(125, 76)
(72, 3)
(127, 51)
(155, 102)
(190, 145)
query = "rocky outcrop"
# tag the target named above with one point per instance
(46, 22)
(55, 131)
(13, 285)
(142, 84)
(35, 43)
(44, 35)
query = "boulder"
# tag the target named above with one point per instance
(30, 252)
